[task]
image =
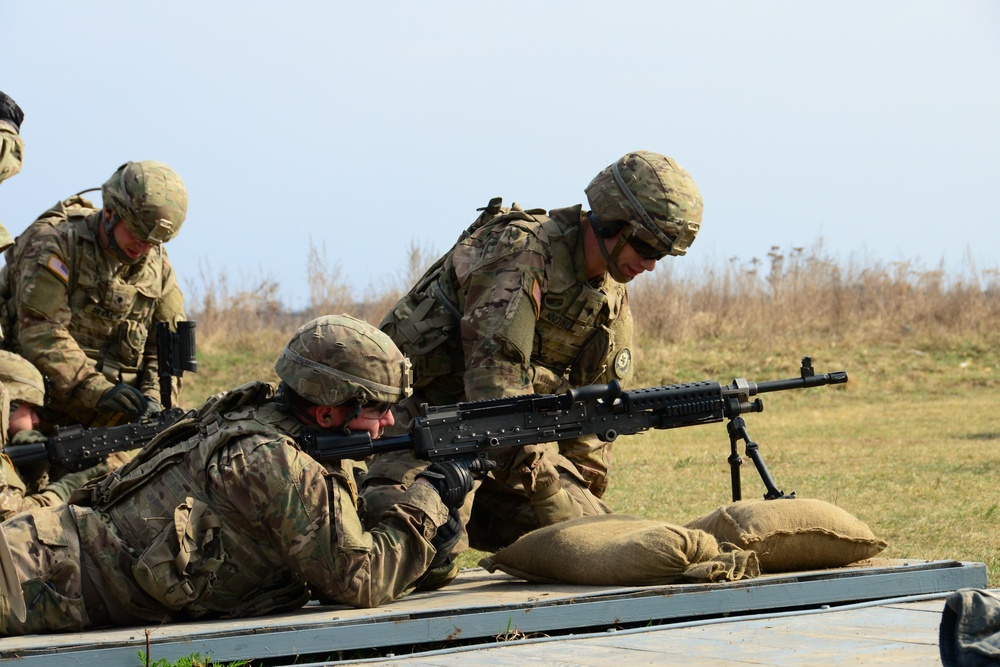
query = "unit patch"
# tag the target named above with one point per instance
(623, 361)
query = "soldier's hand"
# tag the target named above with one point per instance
(123, 398)
(153, 408)
(446, 538)
(27, 437)
(453, 479)
(67, 484)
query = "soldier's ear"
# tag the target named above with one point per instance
(328, 416)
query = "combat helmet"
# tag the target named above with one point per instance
(337, 359)
(655, 200)
(149, 197)
(21, 379)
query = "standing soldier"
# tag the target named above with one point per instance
(535, 302)
(223, 515)
(11, 149)
(83, 289)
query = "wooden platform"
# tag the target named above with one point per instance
(482, 606)
(902, 633)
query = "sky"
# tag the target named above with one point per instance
(364, 129)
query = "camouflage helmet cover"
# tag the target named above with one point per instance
(654, 195)
(338, 358)
(149, 197)
(23, 381)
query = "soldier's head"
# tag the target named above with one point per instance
(342, 372)
(26, 389)
(11, 145)
(647, 201)
(145, 204)
(10, 112)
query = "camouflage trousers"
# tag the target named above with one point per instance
(47, 559)
(63, 587)
(532, 486)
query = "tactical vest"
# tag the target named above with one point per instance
(583, 333)
(111, 316)
(189, 557)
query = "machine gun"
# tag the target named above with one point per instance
(476, 428)
(78, 448)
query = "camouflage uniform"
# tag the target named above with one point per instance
(15, 497)
(82, 316)
(11, 149)
(221, 516)
(21, 382)
(510, 310)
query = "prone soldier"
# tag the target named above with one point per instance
(224, 515)
(22, 392)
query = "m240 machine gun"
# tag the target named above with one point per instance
(476, 428)
(78, 448)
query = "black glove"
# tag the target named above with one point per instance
(453, 479)
(446, 538)
(153, 409)
(10, 112)
(123, 398)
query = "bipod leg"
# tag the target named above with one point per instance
(738, 431)
(735, 460)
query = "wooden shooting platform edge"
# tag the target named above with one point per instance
(480, 605)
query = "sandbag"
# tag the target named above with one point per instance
(620, 550)
(791, 535)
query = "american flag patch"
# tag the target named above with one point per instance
(56, 266)
(536, 298)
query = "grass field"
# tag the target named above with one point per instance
(911, 445)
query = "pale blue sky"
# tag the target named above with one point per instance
(364, 127)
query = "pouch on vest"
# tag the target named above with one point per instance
(180, 564)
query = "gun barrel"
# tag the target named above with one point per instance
(357, 446)
(837, 377)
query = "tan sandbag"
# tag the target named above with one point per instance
(792, 534)
(619, 550)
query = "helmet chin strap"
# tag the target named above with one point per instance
(611, 258)
(109, 232)
(354, 414)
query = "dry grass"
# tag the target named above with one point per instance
(911, 444)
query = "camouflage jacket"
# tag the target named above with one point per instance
(84, 319)
(14, 496)
(509, 310)
(222, 515)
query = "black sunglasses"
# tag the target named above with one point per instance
(381, 408)
(645, 250)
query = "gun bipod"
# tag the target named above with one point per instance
(738, 431)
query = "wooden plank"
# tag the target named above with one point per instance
(483, 605)
(897, 634)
